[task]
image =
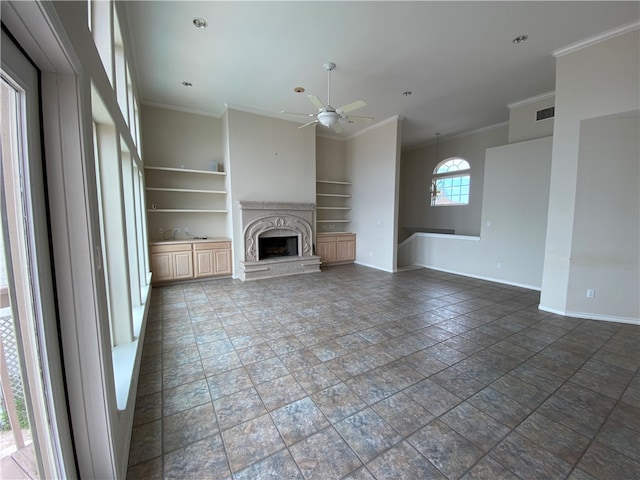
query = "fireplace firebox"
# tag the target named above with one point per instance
(274, 247)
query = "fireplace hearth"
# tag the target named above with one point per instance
(277, 240)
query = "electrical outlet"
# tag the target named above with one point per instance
(160, 232)
(591, 292)
(186, 230)
(499, 266)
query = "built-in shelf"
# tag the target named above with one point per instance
(176, 190)
(332, 199)
(184, 210)
(334, 182)
(183, 170)
(336, 195)
(185, 190)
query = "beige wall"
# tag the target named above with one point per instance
(596, 81)
(522, 118)
(174, 138)
(331, 163)
(373, 160)
(269, 160)
(606, 231)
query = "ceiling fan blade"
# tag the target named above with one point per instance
(350, 107)
(359, 118)
(316, 101)
(338, 128)
(307, 124)
(298, 113)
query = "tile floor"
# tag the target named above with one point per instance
(360, 374)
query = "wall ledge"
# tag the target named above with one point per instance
(438, 235)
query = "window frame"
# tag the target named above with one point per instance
(452, 174)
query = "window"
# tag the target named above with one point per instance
(451, 182)
(121, 208)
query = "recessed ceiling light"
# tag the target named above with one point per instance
(407, 93)
(187, 84)
(299, 89)
(200, 22)
(520, 39)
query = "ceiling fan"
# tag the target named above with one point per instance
(330, 116)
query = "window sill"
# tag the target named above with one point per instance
(124, 356)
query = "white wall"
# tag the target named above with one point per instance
(373, 162)
(269, 160)
(606, 239)
(596, 81)
(522, 118)
(513, 222)
(416, 170)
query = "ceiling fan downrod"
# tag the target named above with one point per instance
(329, 66)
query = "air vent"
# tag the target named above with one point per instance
(545, 113)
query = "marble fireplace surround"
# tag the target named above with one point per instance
(277, 219)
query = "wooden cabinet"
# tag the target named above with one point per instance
(182, 265)
(222, 261)
(346, 248)
(171, 261)
(326, 250)
(336, 249)
(212, 258)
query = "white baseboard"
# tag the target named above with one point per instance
(374, 267)
(480, 277)
(591, 316)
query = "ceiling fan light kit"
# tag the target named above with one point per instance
(328, 119)
(329, 116)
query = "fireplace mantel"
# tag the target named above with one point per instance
(260, 219)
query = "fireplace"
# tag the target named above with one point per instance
(277, 240)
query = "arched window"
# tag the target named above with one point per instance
(450, 182)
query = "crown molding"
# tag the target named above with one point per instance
(394, 118)
(601, 37)
(535, 99)
(457, 135)
(360, 132)
(181, 109)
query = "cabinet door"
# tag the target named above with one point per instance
(203, 263)
(326, 251)
(162, 266)
(182, 265)
(346, 250)
(222, 262)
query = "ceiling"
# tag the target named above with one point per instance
(457, 58)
